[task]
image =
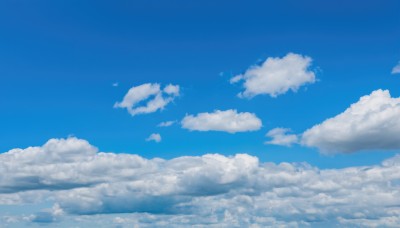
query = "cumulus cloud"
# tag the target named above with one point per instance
(154, 137)
(281, 137)
(276, 76)
(396, 69)
(148, 98)
(166, 123)
(229, 121)
(209, 190)
(371, 123)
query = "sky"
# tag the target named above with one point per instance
(248, 113)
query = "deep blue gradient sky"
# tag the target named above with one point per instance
(59, 59)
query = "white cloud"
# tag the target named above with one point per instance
(229, 121)
(276, 76)
(396, 69)
(154, 137)
(148, 98)
(90, 187)
(166, 123)
(172, 90)
(371, 123)
(281, 137)
(115, 84)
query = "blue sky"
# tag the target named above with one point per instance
(60, 59)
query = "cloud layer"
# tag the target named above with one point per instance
(371, 123)
(209, 190)
(276, 76)
(229, 121)
(148, 98)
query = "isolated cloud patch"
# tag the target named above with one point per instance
(166, 123)
(396, 69)
(239, 189)
(154, 137)
(280, 136)
(229, 121)
(371, 123)
(148, 98)
(276, 76)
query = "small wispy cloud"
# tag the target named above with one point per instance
(166, 123)
(148, 98)
(154, 137)
(396, 69)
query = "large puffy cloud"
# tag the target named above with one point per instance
(371, 123)
(396, 69)
(276, 76)
(151, 94)
(209, 190)
(229, 121)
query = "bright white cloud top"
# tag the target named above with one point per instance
(154, 137)
(280, 136)
(229, 121)
(396, 69)
(148, 98)
(371, 123)
(276, 76)
(239, 189)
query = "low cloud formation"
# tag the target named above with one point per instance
(154, 137)
(371, 123)
(281, 137)
(396, 69)
(148, 98)
(209, 190)
(229, 121)
(276, 76)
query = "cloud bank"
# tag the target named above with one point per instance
(371, 123)
(209, 190)
(276, 76)
(148, 98)
(229, 121)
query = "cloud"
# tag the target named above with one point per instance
(371, 123)
(209, 190)
(154, 137)
(280, 137)
(396, 69)
(276, 76)
(229, 121)
(148, 98)
(166, 123)
(115, 84)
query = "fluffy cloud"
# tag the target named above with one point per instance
(371, 123)
(148, 98)
(229, 121)
(166, 123)
(209, 190)
(281, 137)
(276, 76)
(396, 69)
(154, 137)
